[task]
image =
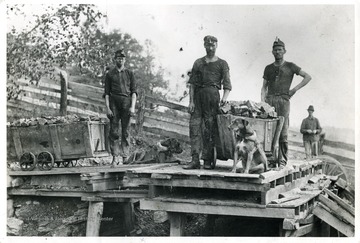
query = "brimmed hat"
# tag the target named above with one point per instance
(311, 108)
(209, 39)
(120, 53)
(278, 42)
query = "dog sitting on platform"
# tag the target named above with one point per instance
(247, 148)
(162, 152)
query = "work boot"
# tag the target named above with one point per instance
(207, 165)
(195, 164)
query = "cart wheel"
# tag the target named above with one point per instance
(45, 161)
(27, 161)
(332, 167)
(73, 163)
(66, 163)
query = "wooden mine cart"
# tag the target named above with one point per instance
(267, 131)
(44, 145)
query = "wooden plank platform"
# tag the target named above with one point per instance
(213, 207)
(76, 170)
(134, 194)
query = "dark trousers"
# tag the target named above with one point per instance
(206, 108)
(282, 108)
(120, 106)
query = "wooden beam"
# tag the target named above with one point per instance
(273, 193)
(94, 218)
(69, 193)
(290, 224)
(308, 220)
(76, 170)
(339, 201)
(284, 199)
(346, 229)
(177, 223)
(339, 212)
(185, 207)
(301, 231)
(64, 91)
(213, 184)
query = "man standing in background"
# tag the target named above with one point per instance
(276, 91)
(208, 75)
(311, 129)
(120, 99)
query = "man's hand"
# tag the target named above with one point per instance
(309, 131)
(132, 111)
(292, 92)
(109, 113)
(191, 107)
(222, 102)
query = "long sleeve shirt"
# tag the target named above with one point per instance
(310, 123)
(121, 83)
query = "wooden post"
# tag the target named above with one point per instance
(94, 218)
(177, 222)
(63, 97)
(141, 112)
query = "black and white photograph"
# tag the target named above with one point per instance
(195, 119)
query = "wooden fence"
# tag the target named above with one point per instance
(155, 116)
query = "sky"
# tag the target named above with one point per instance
(318, 38)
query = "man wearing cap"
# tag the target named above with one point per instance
(209, 74)
(311, 129)
(120, 99)
(277, 80)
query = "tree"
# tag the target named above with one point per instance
(71, 37)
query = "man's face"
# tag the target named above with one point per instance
(210, 48)
(310, 112)
(119, 61)
(278, 52)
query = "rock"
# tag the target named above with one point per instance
(28, 202)
(17, 182)
(14, 226)
(81, 212)
(83, 205)
(24, 212)
(43, 230)
(36, 202)
(63, 230)
(10, 208)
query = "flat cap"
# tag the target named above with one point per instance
(209, 39)
(278, 42)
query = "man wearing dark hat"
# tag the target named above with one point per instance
(209, 74)
(311, 129)
(276, 91)
(120, 99)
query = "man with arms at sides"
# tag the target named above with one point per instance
(208, 75)
(120, 99)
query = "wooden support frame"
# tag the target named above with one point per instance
(321, 212)
(177, 223)
(189, 207)
(94, 218)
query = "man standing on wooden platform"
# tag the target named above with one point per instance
(208, 75)
(311, 129)
(120, 99)
(276, 91)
